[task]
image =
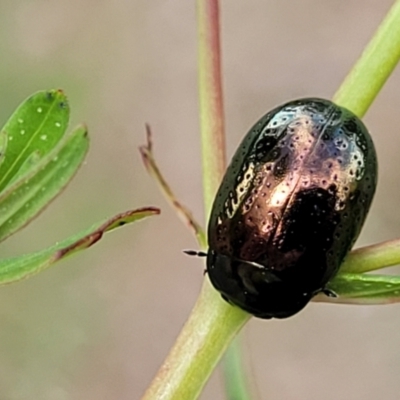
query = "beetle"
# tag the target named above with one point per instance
(290, 207)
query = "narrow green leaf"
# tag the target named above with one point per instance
(32, 132)
(3, 145)
(364, 289)
(17, 268)
(25, 198)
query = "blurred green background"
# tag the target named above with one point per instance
(98, 325)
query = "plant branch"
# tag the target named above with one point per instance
(210, 328)
(182, 211)
(369, 74)
(211, 103)
(370, 258)
(213, 323)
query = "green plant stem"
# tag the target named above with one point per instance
(211, 103)
(357, 93)
(210, 328)
(212, 129)
(372, 257)
(369, 74)
(213, 323)
(236, 384)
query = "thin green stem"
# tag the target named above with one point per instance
(235, 376)
(213, 137)
(369, 74)
(213, 323)
(210, 328)
(211, 103)
(370, 258)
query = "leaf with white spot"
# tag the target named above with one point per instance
(3, 145)
(17, 268)
(31, 133)
(363, 289)
(25, 198)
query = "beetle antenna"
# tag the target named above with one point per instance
(194, 253)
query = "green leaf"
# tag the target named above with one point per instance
(32, 131)
(25, 198)
(364, 289)
(17, 268)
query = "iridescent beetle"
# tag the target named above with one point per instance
(290, 207)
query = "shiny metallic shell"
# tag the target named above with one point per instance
(290, 206)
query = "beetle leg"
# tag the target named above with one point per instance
(329, 292)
